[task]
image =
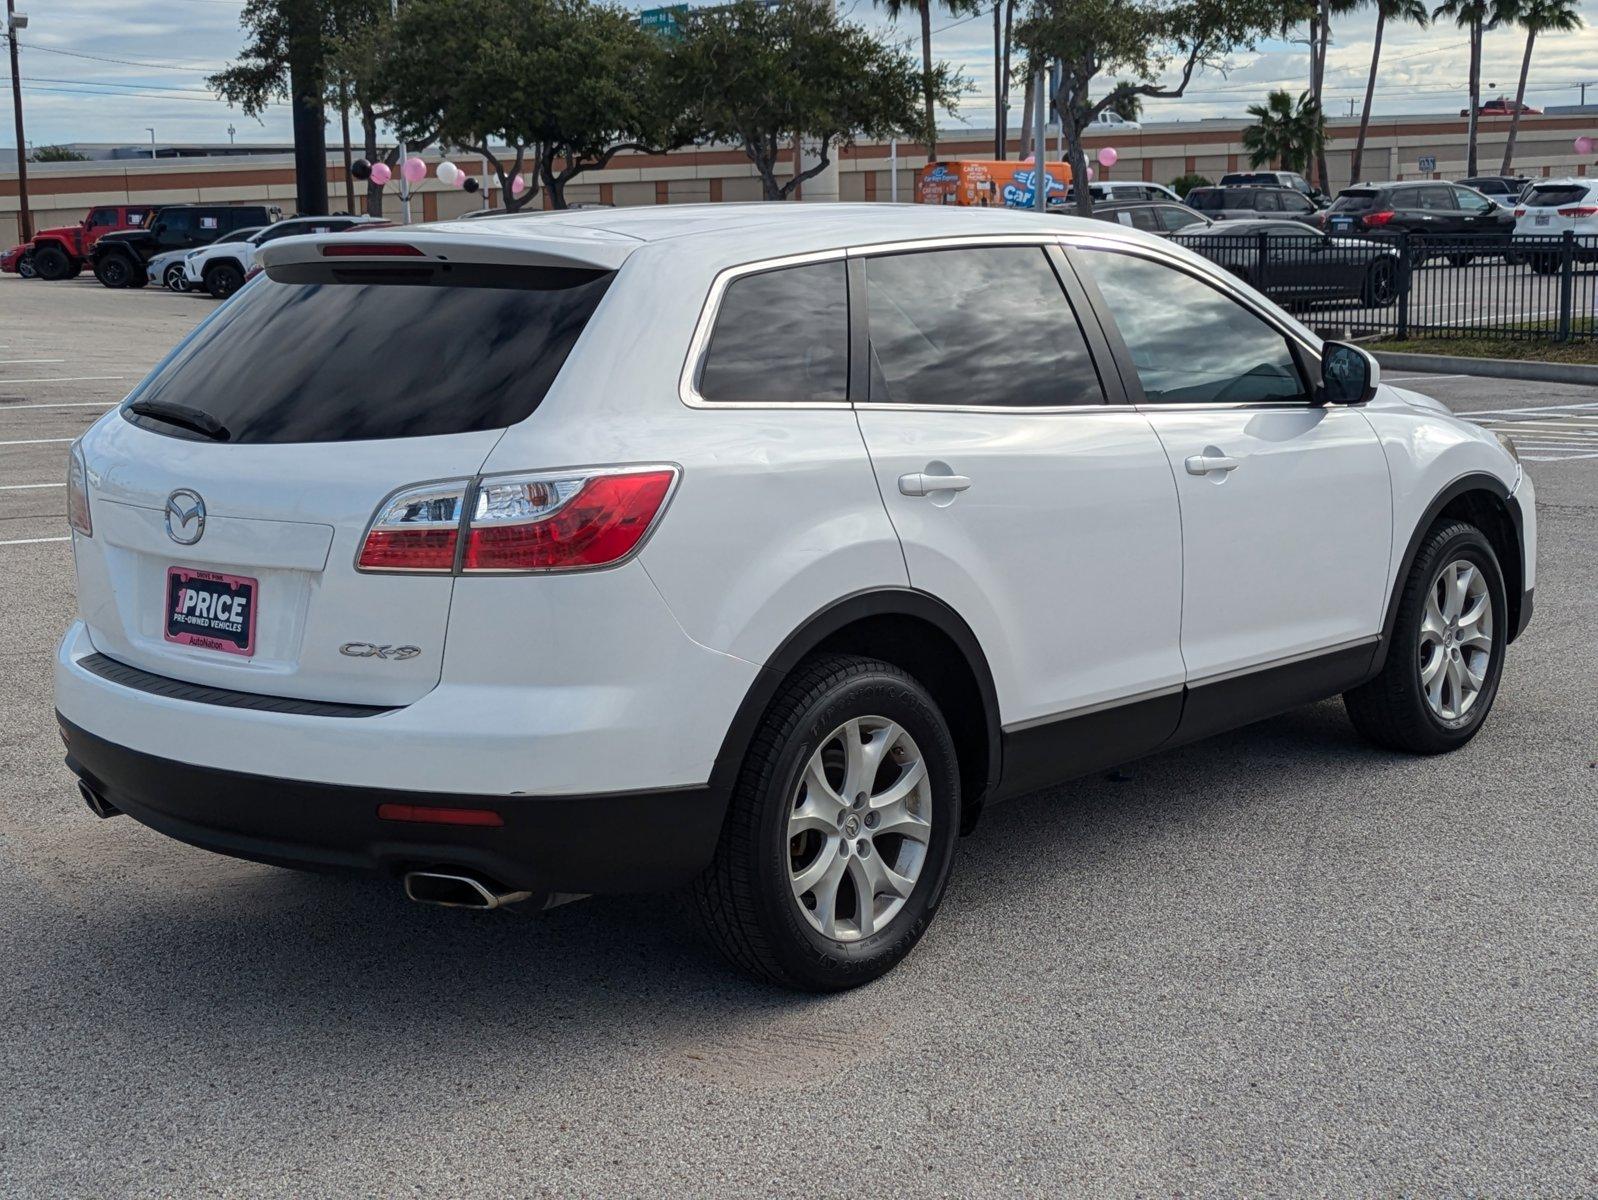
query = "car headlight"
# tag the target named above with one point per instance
(1509, 446)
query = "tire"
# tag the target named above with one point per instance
(817, 941)
(173, 279)
(1545, 264)
(1418, 254)
(223, 279)
(115, 271)
(25, 267)
(53, 263)
(1381, 283)
(1393, 709)
(1461, 260)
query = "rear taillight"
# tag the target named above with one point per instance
(563, 524)
(251, 273)
(78, 493)
(416, 530)
(1379, 218)
(570, 521)
(1580, 210)
(1520, 212)
(370, 250)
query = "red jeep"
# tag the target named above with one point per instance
(61, 253)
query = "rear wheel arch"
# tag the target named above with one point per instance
(912, 630)
(1484, 501)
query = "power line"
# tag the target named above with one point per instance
(126, 62)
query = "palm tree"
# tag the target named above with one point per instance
(923, 8)
(1285, 133)
(1477, 16)
(1413, 11)
(1535, 16)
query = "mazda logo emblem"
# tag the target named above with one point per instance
(185, 517)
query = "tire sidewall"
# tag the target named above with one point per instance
(114, 271)
(222, 281)
(816, 959)
(51, 263)
(1471, 546)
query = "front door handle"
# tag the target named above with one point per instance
(919, 483)
(1203, 464)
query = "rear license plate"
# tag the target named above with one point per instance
(204, 608)
(1342, 222)
(1542, 219)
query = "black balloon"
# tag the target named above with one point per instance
(471, 185)
(361, 169)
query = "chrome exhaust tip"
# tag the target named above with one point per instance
(453, 890)
(98, 804)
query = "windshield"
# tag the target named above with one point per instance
(1351, 201)
(375, 354)
(1552, 195)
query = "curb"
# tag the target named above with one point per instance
(1490, 368)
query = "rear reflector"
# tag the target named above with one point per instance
(562, 524)
(427, 815)
(370, 250)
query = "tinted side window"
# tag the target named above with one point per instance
(1179, 218)
(102, 216)
(1267, 202)
(983, 326)
(178, 220)
(1405, 198)
(1191, 343)
(1297, 204)
(781, 337)
(1437, 198)
(1471, 202)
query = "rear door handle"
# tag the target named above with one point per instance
(919, 483)
(1203, 464)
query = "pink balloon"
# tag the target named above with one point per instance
(1107, 156)
(414, 170)
(1584, 145)
(1091, 172)
(518, 185)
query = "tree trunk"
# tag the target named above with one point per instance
(1370, 93)
(1071, 122)
(1004, 82)
(1026, 114)
(1323, 16)
(926, 79)
(998, 81)
(344, 124)
(374, 193)
(1475, 98)
(1520, 96)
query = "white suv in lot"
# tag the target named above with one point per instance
(752, 549)
(1551, 208)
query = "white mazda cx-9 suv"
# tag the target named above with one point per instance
(749, 549)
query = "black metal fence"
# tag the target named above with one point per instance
(1411, 287)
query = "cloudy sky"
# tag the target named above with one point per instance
(106, 70)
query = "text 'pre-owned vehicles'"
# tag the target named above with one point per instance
(753, 549)
(119, 259)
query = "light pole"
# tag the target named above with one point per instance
(151, 131)
(230, 132)
(14, 22)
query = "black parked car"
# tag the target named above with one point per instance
(1290, 262)
(1505, 189)
(1252, 204)
(1161, 217)
(1441, 218)
(119, 258)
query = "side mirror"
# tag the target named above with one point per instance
(1348, 375)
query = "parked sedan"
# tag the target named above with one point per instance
(1152, 217)
(18, 261)
(1441, 218)
(1292, 264)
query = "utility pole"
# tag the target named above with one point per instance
(149, 130)
(14, 22)
(998, 80)
(405, 184)
(1040, 146)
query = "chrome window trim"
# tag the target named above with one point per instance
(688, 382)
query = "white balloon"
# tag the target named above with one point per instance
(446, 172)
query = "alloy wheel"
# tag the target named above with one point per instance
(1456, 639)
(858, 828)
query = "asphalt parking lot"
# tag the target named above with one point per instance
(1277, 963)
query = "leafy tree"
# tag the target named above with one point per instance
(1319, 17)
(1126, 105)
(1285, 134)
(929, 80)
(566, 83)
(1535, 16)
(56, 154)
(759, 77)
(1137, 41)
(1411, 11)
(1183, 184)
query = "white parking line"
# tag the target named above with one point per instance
(33, 541)
(28, 487)
(37, 441)
(17, 362)
(65, 379)
(63, 404)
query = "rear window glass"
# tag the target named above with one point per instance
(1549, 195)
(407, 356)
(1354, 202)
(807, 362)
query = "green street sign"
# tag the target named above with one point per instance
(667, 22)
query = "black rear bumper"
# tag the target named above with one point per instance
(603, 843)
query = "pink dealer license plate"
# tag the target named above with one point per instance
(205, 608)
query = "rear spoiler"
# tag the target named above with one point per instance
(571, 248)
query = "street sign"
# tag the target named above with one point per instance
(1428, 162)
(667, 22)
